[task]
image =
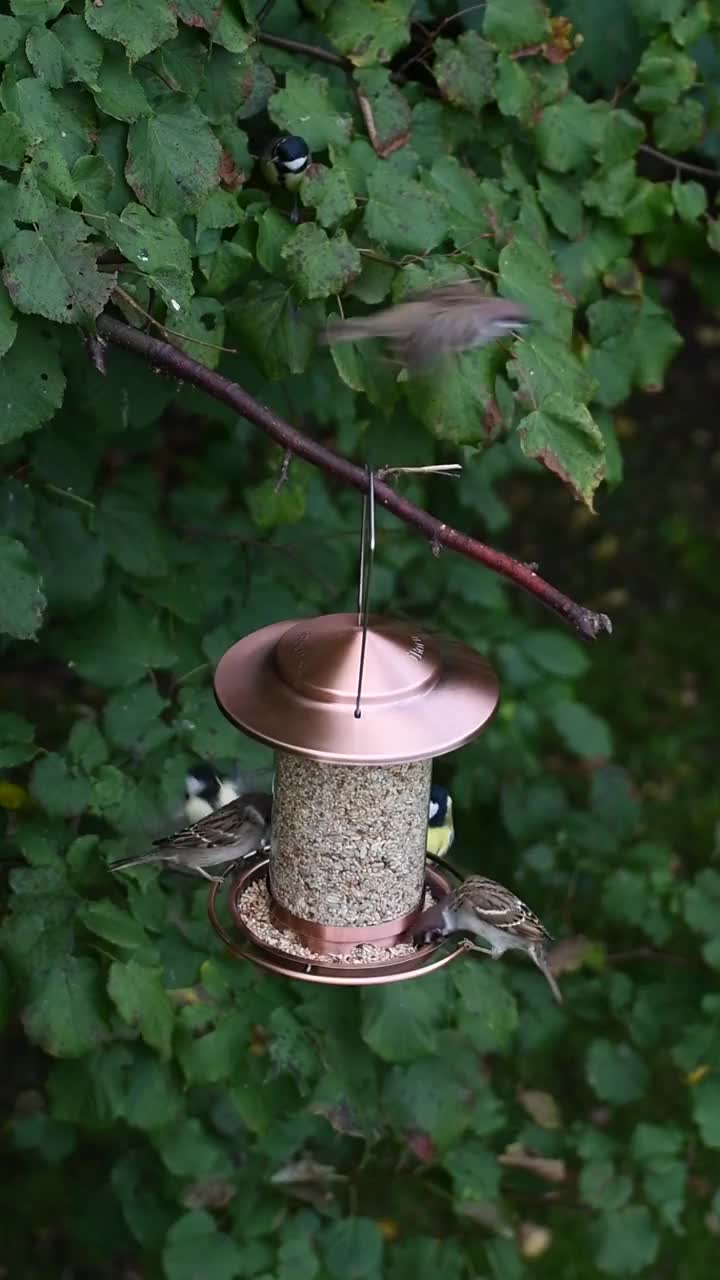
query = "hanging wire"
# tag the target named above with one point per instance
(367, 556)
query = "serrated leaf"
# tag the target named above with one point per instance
(22, 601)
(156, 248)
(400, 1022)
(456, 400)
(194, 1247)
(59, 791)
(65, 1017)
(465, 72)
(173, 158)
(16, 740)
(305, 100)
(615, 1072)
(279, 334)
(513, 24)
(627, 1241)
(118, 92)
(130, 534)
(82, 51)
(569, 132)
(318, 264)
(118, 646)
(51, 272)
(390, 109)
(428, 1098)
(492, 1011)
(328, 191)
(130, 714)
(474, 1171)
(202, 326)
(352, 1249)
(632, 344)
(690, 200)
(45, 55)
(54, 117)
(681, 127)
(602, 1187)
(564, 438)
(140, 998)
(556, 653)
(138, 25)
(93, 180)
(403, 214)
(529, 275)
(108, 921)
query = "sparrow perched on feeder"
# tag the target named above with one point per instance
(493, 913)
(441, 830)
(228, 835)
(284, 162)
(441, 321)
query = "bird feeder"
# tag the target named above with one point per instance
(355, 707)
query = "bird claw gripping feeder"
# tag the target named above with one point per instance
(355, 707)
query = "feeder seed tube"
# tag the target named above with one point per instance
(348, 842)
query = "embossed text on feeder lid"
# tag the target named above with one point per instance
(293, 685)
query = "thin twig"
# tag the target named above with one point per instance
(308, 50)
(162, 328)
(382, 149)
(172, 361)
(681, 164)
(282, 478)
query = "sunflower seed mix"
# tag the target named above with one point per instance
(254, 908)
(348, 842)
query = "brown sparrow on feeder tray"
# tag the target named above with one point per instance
(441, 321)
(493, 913)
(224, 837)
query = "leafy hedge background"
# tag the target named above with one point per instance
(171, 1112)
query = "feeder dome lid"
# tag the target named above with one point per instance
(293, 685)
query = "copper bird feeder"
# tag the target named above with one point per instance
(355, 706)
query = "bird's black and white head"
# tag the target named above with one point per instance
(439, 803)
(206, 791)
(290, 157)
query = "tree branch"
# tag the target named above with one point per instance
(170, 360)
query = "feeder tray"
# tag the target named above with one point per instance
(247, 945)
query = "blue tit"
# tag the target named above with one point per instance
(284, 162)
(441, 831)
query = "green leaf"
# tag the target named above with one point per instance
(706, 1111)
(194, 1248)
(11, 34)
(131, 534)
(602, 1187)
(582, 731)
(664, 74)
(390, 109)
(279, 334)
(22, 601)
(65, 1016)
(328, 191)
(156, 248)
(680, 128)
(400, 1022)
(45, 55)
(82, 51)
(626, 1241)
(318, 264)
(556, 653)
(490, 1014)
(352, 1249)
(403, 214)
(117, 92)
(51, 271)
(528, 274)
(456, 400)
(429, 1099)
(690, 200)
(569, 132)
(189, 1151)
(107, 921)
(16, 740)
(562, 203)
(139, 996)
(631, 344)
(120, 645)
(474, 1171)
(93, 180)
(513, 24)
(173, 158)
(131, 714)
(615, 1072)
(56, 788)
(52, 116)
(306, 99)
(465, 72)
(138, 25)
(368, 31)
(565, 439)
(203, 328)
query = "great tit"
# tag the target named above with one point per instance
(441, 831)
(224, 837)
(284, 162)
(496, 915)
(206, 791)
(441, 321)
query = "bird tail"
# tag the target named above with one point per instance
(540, 958)
(132, 862)
(349, 330)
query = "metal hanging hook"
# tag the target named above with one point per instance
(367, 556)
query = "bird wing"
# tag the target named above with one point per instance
(241, 818)
(501, 908)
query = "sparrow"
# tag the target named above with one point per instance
(224, 837)
(493, 913)
(441, 830)
(284, 162)
(441, 321)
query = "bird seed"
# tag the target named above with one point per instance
(348, 842)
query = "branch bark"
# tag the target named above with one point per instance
(175, 363)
